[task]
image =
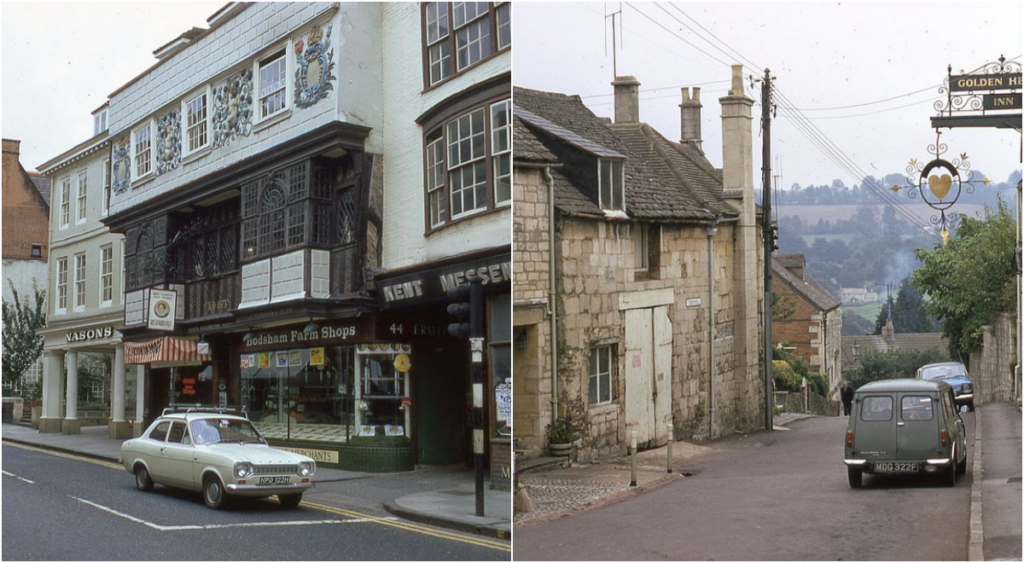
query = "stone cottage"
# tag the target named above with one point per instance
(638, 299)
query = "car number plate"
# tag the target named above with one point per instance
(274, 481)
(895, 468)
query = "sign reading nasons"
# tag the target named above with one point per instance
(161, 309)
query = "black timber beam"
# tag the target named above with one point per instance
(989, 121)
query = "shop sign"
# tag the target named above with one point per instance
(324, 456)
(296, 335)
(91, 334)
(975, 82)
(402, 363)
(161, 309)
(1001, 101)
(433, 284)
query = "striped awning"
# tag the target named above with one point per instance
(164, 349)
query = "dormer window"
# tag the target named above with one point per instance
(611, 184)
(99, 122)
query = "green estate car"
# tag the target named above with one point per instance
(905, 426)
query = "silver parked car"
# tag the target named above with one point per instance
(216, 453)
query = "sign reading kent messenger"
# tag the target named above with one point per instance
(161, 309)
(431, 285)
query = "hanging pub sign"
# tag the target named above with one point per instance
(987, 97)
(161, 309)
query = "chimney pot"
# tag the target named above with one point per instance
(737, 80)
(689, 119)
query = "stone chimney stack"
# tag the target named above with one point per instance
(627, 99)
(737, 147)
(889, 331)
(689, 119)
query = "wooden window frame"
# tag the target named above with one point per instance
(135, 153)
(81, 264)
(279, 55)
(616, 170)
(451, 42)
(62, 286)
(596, 375)
(436, 218)
(107, 275)
(82, 199)
(201, 126)
(65, 202)
(105, 203)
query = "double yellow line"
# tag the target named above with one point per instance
(411, 527)
(408, 526)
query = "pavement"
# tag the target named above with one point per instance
(442, 497)
(549, 488)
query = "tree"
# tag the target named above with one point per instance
(898, 364)
(854, 324)
(971, 279)
(908, 312)
(22, 342)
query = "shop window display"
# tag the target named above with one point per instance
(326, 394)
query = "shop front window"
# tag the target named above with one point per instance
(382, 390)
(192, 385)
(500, 344)
(300, 394)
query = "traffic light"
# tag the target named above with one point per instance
(467, 306)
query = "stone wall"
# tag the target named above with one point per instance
(811, 404)
(596, 261)
(994, 365)
(531, 405)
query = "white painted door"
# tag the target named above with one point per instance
(648, 374)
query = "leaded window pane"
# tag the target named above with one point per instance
(298, 187)
(296, 224)
(322, 225)
(346, 216)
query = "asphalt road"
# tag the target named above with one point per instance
(781, 495)
(60, 507)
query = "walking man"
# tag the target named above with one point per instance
(846, 395)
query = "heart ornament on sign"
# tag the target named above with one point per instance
(940, 185)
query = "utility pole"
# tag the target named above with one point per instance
(769, 243)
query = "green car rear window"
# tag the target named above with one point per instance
(876, 408)
(916, 408)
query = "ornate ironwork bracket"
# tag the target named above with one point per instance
(939, 183)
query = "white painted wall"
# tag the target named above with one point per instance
(404, 101)
(255, 32)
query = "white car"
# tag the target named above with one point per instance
(216, 453)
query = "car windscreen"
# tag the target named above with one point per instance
(942, 372)
(214, 430)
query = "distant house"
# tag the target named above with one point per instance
(857, 295)
(637, 266)
(855, 347)
(26, 208)
(814, 327)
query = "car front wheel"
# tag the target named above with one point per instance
(856, 477)
(143, 481)
(290, 501)
(213, 492)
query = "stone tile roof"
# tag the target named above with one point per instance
(528, 147)
(576, 136)
(920, 341)
(803, 285)
(42, 184)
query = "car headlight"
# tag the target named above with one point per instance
(306, 468)
(243, 470)
(966, 387)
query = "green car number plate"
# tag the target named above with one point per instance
(274, 481)
(895, 468)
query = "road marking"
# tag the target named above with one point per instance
(9, 474)
(163, 528)
(411, 527)
(100, 462)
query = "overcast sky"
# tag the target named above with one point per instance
(881, 63)
(62, 59)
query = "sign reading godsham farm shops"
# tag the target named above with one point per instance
(432, 284)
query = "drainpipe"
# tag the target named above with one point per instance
(552, 304)
(711, 232)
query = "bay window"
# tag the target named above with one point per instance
(459, 35)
